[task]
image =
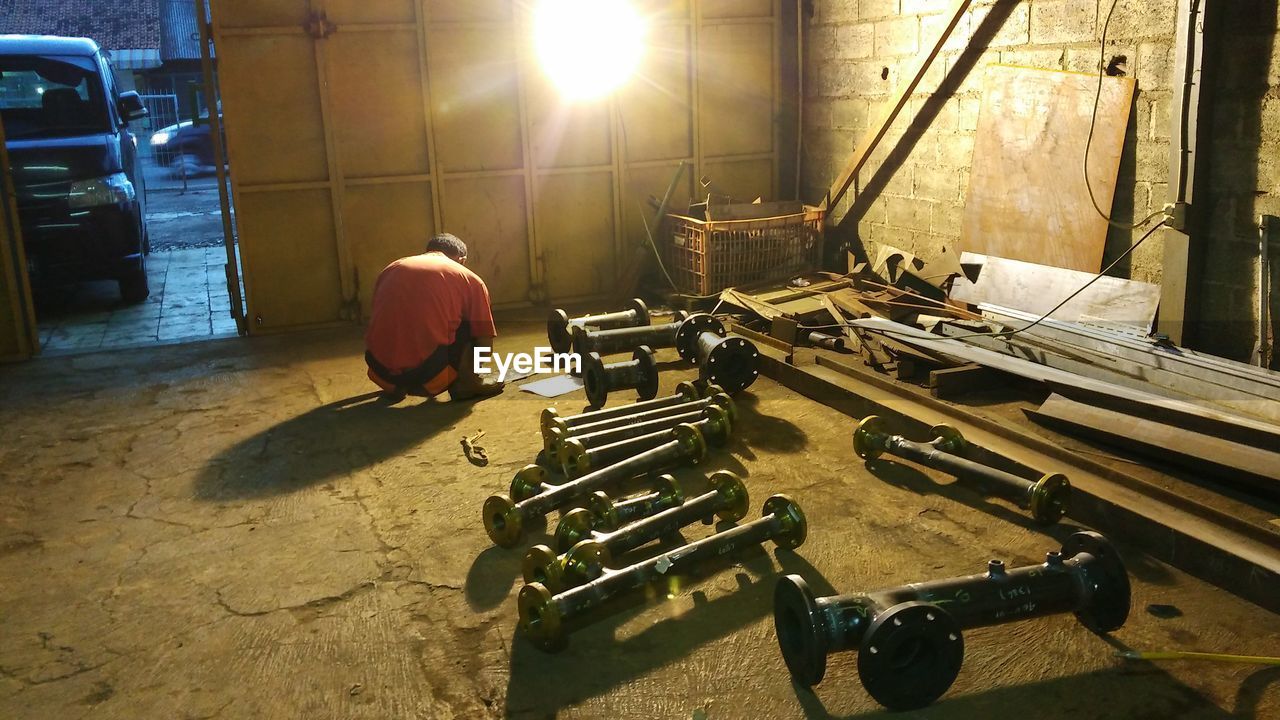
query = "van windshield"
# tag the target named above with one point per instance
(51, 96)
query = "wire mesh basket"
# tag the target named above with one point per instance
(707, 256)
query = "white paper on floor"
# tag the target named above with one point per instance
(553, 386)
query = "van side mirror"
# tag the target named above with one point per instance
(130, 106)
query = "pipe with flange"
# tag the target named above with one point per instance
(550, 419)
(730, 362)
(727, 499)
(600, 378)
(576, 459)
(608, 514)
(556, 433)
(543, 616)
(909, 638)
(638, 425)
(1046, 498)
(581, 562)
(505, 516)
(560, 326)
(620, 340)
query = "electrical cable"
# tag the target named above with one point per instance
(1093, 121)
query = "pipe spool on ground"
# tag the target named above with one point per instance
(577, 459)
(544, 617)
(1047, 498)
(600, 378)
(685, 392)
(627, 339)
(559, 325)
(505, 517)
(909, 641)
(608, 514)
(730, 362)
(727, 499)
(554, 436)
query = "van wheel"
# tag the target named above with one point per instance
(133, 287)
(184, 165)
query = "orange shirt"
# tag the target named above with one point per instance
(418, 304)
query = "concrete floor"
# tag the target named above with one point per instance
(233, 529)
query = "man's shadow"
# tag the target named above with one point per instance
(321, 444)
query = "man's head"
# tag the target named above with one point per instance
(450, 245)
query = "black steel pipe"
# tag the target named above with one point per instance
(625, 339)
(576, 459)
(640, 372)
(730, 362)
(1046, 498)
(608, 514)
(559, 325)
(827, 342)
(727, 499)
(551, 420)
(554, 436)
(909, 639)
(543, 616)
(505, 517)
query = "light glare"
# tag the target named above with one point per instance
(588, 47)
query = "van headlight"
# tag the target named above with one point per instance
(160, 138)
(109, 190)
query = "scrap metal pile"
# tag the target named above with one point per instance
(621, 518)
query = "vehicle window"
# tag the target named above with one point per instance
(51, 96)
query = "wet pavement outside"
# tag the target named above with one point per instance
(189, 296)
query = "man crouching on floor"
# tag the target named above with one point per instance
(429, 313)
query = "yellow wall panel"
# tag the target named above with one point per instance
(475, 99)
(737, 8)
(662, 10)
(290, 263)
(639, 186)
(566, 134)
(490, 216)
(736, 79)
(259, 13)
(575, 226)
(468, 10)
(342, 12)
(656, 106)
(376, 97)
(384, 223)
(271, 104)
(742, 180)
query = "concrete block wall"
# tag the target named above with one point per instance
(911, 193)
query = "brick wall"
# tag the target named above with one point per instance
(911, 193)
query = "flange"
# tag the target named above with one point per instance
(502, 521)
(691, 439)
(1107, 606)
(586, 561)
(868, 438)
(717, 423)
(1049, 498)
(910, 655)
(541, 565)
(732, 364)
(540, 617)
(637, 306)
(729, 486)
(948, 439)
(801, 629)
(647, 368)
(593, 378)
(528, 482)
(558, 331)
(794, 526)
(574, 527)
(689, 330)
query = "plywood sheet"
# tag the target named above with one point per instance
(1027, 198)
(1038, 288)
(575, 226)
(735, 68)
(290, 262)
(655, 107)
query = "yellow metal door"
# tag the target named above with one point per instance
(18, 338)
(358, 129)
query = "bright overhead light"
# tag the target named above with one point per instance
(588, 47)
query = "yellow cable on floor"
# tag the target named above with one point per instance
(1188, 655)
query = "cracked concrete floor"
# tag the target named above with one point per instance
(229, 530)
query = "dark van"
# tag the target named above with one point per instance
(74, 161)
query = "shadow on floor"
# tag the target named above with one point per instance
(768, 433)
(597, 663)
(322, 444)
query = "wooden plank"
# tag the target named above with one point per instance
(1239, 465)
(1189, 415)
(878, 130)
(1027, 198)
(1036, 288)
